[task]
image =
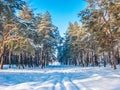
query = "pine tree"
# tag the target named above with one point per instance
(47, 31)
(7, 19)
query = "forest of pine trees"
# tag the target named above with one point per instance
(26, 39)
(97, 41)
(31, 40)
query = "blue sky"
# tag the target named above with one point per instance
(62, 11)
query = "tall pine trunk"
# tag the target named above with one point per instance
(2, 58)
(92, 59)
(1, 62)
(118, 56)
(113, 59)
(104, 60)
(9, 59)
(19, 59)
(22, 60)
(87, 59)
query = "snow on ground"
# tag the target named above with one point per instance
(61, 78)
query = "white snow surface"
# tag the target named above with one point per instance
(61, 78)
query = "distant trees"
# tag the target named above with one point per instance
(100, 38)
(72, 46)
(49, 38)
(25, 39)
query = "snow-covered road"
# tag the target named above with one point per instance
(61, 78)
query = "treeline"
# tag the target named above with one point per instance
(97, 41)
(26, 39)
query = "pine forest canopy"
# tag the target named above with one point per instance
(26, 39)
(32, 40)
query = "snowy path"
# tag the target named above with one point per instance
(61, 78)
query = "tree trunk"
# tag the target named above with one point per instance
(2, 58)
(9, 59)
(36, 59)
(113, 59)
(19, 58)
(92, 59)
(1, 62)
(22, 60)
(31, 62)
(109, 57)
(83, 53)
(41, 54)
(118, 56)
(42, 60)
(104, 60)
(87, 59)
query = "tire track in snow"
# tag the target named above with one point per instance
(59, 85)
(69, 85)
(53, 81)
